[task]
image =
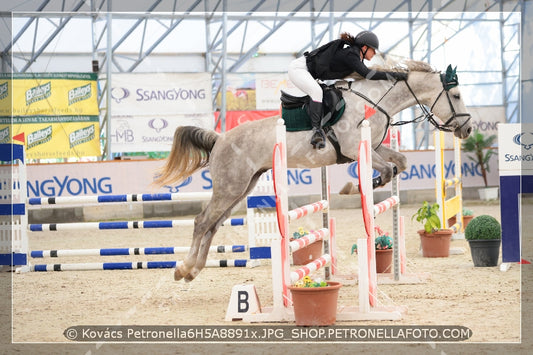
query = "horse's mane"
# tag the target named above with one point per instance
(405, 65)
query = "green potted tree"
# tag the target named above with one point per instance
(484, 235)
(435, 241)
(481, 147)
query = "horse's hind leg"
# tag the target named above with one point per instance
(206, 225)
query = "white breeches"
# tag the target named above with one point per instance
(300, 76)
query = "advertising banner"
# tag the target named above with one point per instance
(515, 142)
(152, 133)
(124, 177)
(57, 112)
(235, 118)
(147, 94)
(240, 92)
(268, 90)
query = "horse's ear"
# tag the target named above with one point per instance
(450, 72)
(449, 79)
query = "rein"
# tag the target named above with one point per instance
(375, 105)
(426, 114)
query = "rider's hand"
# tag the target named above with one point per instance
(398, 75)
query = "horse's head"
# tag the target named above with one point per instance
(447, 104)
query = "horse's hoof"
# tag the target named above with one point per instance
(177, 275)
(180, 272)
(192, 274)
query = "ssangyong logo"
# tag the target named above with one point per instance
(3, 90)
(525, 140)
(79, 94)
(39, 137)
(119, 94)
(158, 124)
(80, 136)
(38, 93)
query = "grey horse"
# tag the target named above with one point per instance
(238, 157)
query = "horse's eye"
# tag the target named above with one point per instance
(457, 96)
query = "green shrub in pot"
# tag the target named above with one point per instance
(483, 227)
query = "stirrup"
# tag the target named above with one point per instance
(318, 140)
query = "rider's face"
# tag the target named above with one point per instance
(370, 53)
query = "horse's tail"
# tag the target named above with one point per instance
(190, 151)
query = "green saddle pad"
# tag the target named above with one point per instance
(297, 119)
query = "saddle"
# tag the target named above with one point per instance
(293, 109)
(294, 113)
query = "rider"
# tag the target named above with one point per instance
(335, 60)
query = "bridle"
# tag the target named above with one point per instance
(448, 82)
(429, 115)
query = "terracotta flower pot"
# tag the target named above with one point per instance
(466, 220)
(305, 255)
(436, 244)
(315, 306)
(384, 261)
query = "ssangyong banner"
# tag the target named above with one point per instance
(151, 133)
(515, 142)
(125, 177)
(146, 94)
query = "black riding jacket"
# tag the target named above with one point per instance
(338, 59)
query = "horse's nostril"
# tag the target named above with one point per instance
(469, 130)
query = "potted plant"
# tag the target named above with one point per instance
(434, 240)
(383, 245)
(484, 234)
(467, 217)
(307, 254)
(315, 301)
(481, 146)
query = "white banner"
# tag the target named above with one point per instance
(486, 119)
(268, 90)
(160, 94)
(127, 177)
(151, 133)
(515, 143)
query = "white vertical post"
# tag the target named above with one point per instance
(369, 196)
(364, 300)
(395, 191)
(282, 204)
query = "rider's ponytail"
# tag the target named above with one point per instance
(348, 38)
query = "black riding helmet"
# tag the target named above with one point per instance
(367, 38)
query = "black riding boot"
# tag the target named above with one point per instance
(314, 110)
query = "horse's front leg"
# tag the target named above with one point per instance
(392, 156)
(385, 169)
